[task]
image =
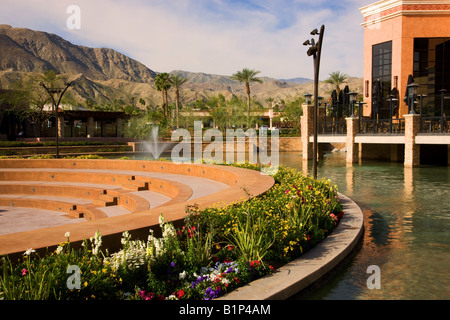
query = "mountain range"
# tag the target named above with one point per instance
(103, 75)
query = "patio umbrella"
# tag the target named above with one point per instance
(334, 103)
(346, 101)
(395, 104)
(410, 80)
(377, 98)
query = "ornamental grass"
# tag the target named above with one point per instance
(217, 250)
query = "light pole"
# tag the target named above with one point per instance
(352, 99)
(315, 51)
(412, 94)
(52, 92)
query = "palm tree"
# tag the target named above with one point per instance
(177, 81)
(247, 76)
(162, 83)
(336, 79)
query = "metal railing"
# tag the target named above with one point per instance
(331, 126)
(382, 126)
(438, 124)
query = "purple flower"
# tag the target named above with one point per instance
(199, 279)
(211, 294)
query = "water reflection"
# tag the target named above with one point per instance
(407, 218)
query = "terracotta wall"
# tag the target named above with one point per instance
(401, 30)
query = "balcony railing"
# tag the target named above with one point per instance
(382, 126)
(331, 126)
(435, 125)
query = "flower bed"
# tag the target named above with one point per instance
(217, 250)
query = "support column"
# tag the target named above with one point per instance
(352, 147)
(412, 150)
(119, 127)
(307, 131)
(448, 154)
(90, 127)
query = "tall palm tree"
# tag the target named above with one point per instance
(336, 79)
(247, 76)
(177, 81)
(162, 83)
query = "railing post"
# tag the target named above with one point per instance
(352, 147)
(307, 131)
(412, 150)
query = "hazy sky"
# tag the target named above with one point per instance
(211, 36)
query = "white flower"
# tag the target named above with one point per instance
(161, 220)
(28, 252)
(182, 275)
(67, 234)
(59, 249)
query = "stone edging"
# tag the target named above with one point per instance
(297, 275)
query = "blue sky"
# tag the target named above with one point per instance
(211, 36)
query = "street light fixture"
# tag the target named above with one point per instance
(352, 100)
(308, 98)
(315, 52)
(412, 94)
(52, 92)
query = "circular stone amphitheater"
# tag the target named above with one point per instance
(41, 200)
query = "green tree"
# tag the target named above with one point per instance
(177, 81)
(293, 112)
(162, 83)
(28, 98)
(337, 78)
(247, 76)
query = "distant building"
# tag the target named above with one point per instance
(74, 122)
(403, 38)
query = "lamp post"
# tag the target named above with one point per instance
(52, 92)
(308, 98)
(412, 94)
(352, 99)
(315, 51)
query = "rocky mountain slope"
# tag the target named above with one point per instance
(104, 75)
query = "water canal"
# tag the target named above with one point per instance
(407, 223)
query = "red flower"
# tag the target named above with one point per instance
(24, 271)
(180, 293)
(254, 264)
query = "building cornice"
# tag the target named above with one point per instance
(388, 9)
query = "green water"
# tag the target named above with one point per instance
(407, 228)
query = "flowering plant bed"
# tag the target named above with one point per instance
(217, 250)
